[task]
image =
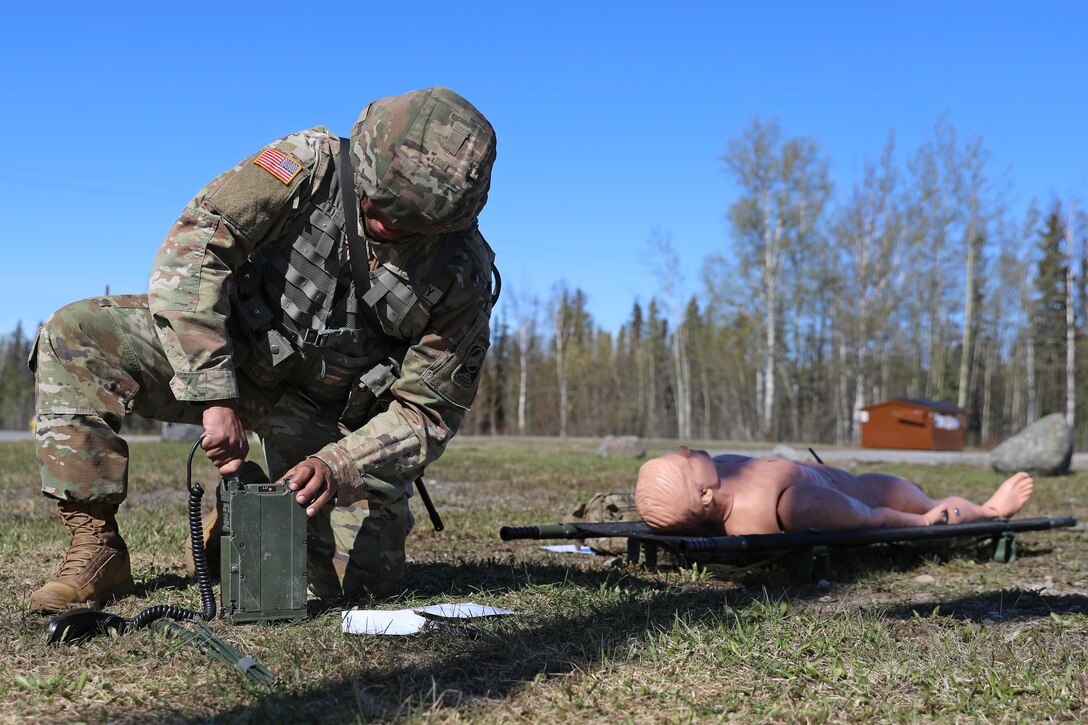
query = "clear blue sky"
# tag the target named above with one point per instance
(610, 115)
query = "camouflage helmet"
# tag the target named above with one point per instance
(424, 159)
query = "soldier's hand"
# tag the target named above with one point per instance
(314, 482)
(225, 442)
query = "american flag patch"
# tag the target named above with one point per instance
(282, 166)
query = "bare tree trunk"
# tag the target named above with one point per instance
(847, 412)
(771, 261)
(523, 374)
(682, 368)
(916, 385)
(861, 325)
(988, 383)
(934, 347)
(738, 417)
(1013, 397)
(561, 364)
(1070, 321)
(668, 271)
(977, 363)
(525, 310)
(977, 206)
(704, 380)
(966, 355)
(640, 373)
(1029, 375)
(651, 388)
(861, 380)
(767, 414)
(790, 383)
(936, 350)
(793, 373)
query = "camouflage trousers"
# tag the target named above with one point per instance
(99, 359)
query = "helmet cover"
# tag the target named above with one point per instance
(424, 159)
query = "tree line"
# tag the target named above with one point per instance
(16, 381)
(918, 281)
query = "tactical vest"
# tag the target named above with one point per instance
(300, 302)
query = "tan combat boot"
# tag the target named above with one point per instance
(212, 525)
(96, 567)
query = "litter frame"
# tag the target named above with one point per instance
(812, 546)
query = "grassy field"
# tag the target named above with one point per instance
(889, 635)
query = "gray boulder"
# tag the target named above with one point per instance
(621, 447)
(788, 452)
(1044, 448)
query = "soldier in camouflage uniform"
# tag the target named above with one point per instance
(332, 295)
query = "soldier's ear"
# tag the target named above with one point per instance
(706, 497)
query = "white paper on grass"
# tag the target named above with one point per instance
(567, 548)
(465, 610)
(409, 621)
(375, 621)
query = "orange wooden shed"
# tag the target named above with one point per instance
(928, 425)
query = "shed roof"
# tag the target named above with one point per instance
(919, 402)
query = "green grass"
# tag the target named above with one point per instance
(594, 640)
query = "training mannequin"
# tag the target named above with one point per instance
(689, 492)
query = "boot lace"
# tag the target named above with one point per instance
(84, 544)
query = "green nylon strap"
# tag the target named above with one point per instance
(356, 245)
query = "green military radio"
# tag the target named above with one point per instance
(263, 550)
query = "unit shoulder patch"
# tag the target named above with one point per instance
(283, 166)
(455, 376)
(466, 373)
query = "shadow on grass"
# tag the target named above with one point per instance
(145, 587)
(460, 579)
(1005, 605)
(456, 665)
(848, 565)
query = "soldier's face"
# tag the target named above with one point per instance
(378, 225)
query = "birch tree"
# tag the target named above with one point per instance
(783, 183)
(932, 214)
(1070, 318)
(525, 309)
(670, 275)
(652, 348)
(980, 205)
(868, 235)
(562, 331)
(1007, 304)
(807, 268)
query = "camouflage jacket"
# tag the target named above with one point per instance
(252, 214)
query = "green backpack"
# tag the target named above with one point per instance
(607, 507)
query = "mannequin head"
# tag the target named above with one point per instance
(680, 491)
